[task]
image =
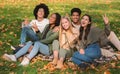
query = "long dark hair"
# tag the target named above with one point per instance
(57, 23)
(87, 30)
(57, 20)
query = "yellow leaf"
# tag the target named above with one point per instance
(2, 17)
(11, 33)
(3, 25)
(8, 43)
(15, 35)
(12, 73)
(13, 65)
(1, 64)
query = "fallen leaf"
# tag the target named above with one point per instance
(113, 64)
(11, 33)
(107, 72)
(13, 65)
(8, 43)
(1, 64)
(3, 26)
(12, 73)
(15, 35)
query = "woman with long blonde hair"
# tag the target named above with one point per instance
(67, 34)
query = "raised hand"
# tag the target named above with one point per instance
(35, 26)
(25, 22)
(105, 19)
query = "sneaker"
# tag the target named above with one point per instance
(25, 62)
(10, 57)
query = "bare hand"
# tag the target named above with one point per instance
(56, 29)
(105, 19)
(81, 51)
(35, 26)
(26, 21)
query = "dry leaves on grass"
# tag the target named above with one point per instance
(72, 66)
(40, 57)
(1, 64)
(37, 58)
(13, 65)
(51, 67)
(12, 73)
(107, 72)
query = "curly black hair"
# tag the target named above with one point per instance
(76, 10)
(41, 5)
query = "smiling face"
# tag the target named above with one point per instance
(40, 13)
(75, 17)
(65, 23)
(52, 19)
(85, 21)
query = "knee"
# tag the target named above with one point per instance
(37, 43)
(55, 42)
(29, 42)
(55, 45)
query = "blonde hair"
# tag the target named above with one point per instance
(62, 29)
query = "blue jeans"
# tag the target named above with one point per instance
(39, 47)
(23, 50)
(91, 52)
(28, 32)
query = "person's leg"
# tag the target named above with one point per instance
(23, 50)
(28, 32)
(62, 55)
(55, 46)
(44, 49)
(91, 52)
(76, 61)
(38, 46)
(114, 40)
(32, 53)
(81, 58)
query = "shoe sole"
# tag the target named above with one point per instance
(6, 58)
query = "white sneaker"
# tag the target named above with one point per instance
(10, 57)
(25, 62)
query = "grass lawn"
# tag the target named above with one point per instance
(13, 12)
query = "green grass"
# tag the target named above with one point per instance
(13, 13)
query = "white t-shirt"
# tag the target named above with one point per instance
(40, 24)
